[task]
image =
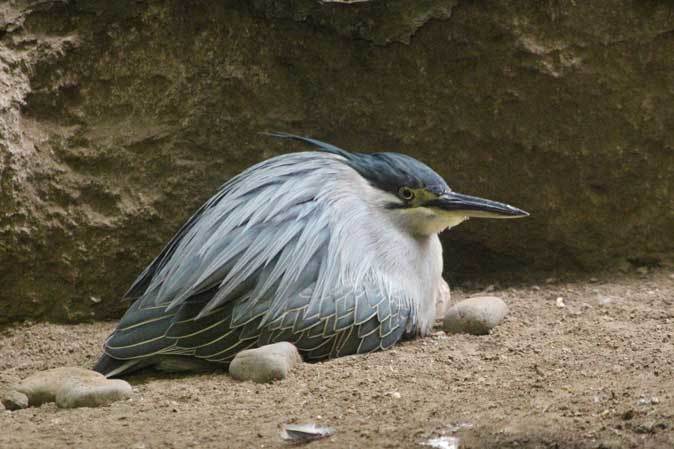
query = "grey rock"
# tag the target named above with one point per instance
(72, 387)
(92, 393)
(14, 400)
(265, 364)
(43, 386)
(476, 315)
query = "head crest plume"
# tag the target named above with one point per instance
(387, 171)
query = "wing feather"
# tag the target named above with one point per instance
(267, 216)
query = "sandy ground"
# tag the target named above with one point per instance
(597, 373)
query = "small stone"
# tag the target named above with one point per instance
(73, 387)
(265, 364)
(560, 302)
(15, 400)
(92, 393)
(477, 315)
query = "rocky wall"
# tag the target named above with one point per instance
(117, 119)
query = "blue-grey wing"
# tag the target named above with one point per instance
(349, 321)
(266, 215)
(194, 326)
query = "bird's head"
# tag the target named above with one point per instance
(418, 198)
(412, 193)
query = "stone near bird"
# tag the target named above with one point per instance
(333, 251)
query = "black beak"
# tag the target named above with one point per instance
(472, 206)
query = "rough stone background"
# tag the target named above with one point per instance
(117, 119)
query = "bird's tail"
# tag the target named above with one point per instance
(110, 367)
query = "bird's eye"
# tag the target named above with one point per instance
(406, 193)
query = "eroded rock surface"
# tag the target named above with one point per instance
(117, 122)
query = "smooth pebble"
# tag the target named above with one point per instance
(265, 364)
(72, 387)
(92, 393)
(475, 316)
(14, 400)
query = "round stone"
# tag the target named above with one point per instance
(475, 316)
(265, 364)
(42, 386)
(72, 387)
(14, 400)
(88, 393)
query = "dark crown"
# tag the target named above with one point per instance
(386, 171)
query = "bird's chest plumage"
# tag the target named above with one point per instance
(427, 268)
(412, 267)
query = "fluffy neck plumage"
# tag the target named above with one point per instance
(371, 243)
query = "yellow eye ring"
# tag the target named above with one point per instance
(406, 193)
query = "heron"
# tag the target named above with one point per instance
(334, 251)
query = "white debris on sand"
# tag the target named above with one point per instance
(303, 433)
(443, 442)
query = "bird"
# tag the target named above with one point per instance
(336, 252)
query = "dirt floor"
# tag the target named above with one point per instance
(596, 373)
